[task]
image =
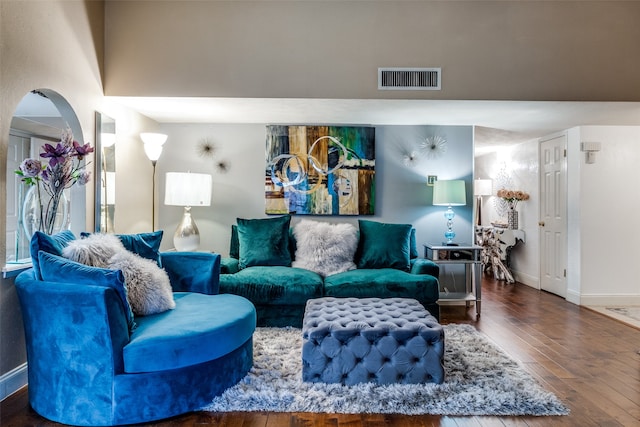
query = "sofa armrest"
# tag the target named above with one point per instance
(229, 265)
(193, 271)
(425, 266)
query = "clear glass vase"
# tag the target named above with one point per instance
(41, 212)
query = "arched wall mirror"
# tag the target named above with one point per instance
(41, 117)
(105, 181)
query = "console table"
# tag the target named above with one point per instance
(464, 254)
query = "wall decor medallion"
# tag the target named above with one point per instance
(207, 149)
(433, 146)
(409, 154)
(320, 170)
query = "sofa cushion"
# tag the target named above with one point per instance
(273, 285)
(264, 241)
(325, 248)
(201, 328)
(382, 283)
(62, 270)
(147, 245)
(413, 247)
(234, 244)
(384, 245)
(53, 244)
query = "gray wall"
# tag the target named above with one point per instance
(498, 50)
(402, 195)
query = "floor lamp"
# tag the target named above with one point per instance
(481, 187)
(153, 149)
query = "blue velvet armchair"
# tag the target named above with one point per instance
(86, 365)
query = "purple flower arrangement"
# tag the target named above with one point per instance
(65, 167)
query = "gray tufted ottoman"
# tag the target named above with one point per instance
(384, 341)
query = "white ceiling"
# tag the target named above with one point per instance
(498, 122)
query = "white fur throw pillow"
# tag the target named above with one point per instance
(95, 250)
(325, 248)
(148, 287)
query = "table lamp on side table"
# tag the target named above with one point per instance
(449, 193)
(187, 189)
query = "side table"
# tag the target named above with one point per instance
(464, 254)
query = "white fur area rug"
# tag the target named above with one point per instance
(480, 380)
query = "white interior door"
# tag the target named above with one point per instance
(553, 215)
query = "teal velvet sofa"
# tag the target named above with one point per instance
(279, 290)
(91, 362)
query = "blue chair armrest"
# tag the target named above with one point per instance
(92, 345)
(193, 271)
(425, 266)
(229, 265)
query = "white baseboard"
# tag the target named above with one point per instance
(573, 297)
(526, 279)
(610, 300)
(13, 381)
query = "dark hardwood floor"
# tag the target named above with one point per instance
(591, 362)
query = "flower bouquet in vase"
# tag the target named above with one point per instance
(46, 207)
(512, 197)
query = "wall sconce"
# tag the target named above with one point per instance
(590, 148)
(187, 189)
(153, 149)
(481, 187)
(449, 193)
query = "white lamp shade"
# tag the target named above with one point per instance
(153, 144)
(153, 138)
(107, 139)
(482, 187)
(187, 189)
(449, 193)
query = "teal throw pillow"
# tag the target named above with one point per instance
(234, 247)
(147, 245)
(413, 247)
(383, 245)
(62, 270)
(53, 244)
(264, 241)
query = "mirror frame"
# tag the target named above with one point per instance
(101, 121)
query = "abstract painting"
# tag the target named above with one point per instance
(320, 170)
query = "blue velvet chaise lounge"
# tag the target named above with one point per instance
(87, 366)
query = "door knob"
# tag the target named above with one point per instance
(541, 223)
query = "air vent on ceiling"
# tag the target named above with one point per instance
(409, 78)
